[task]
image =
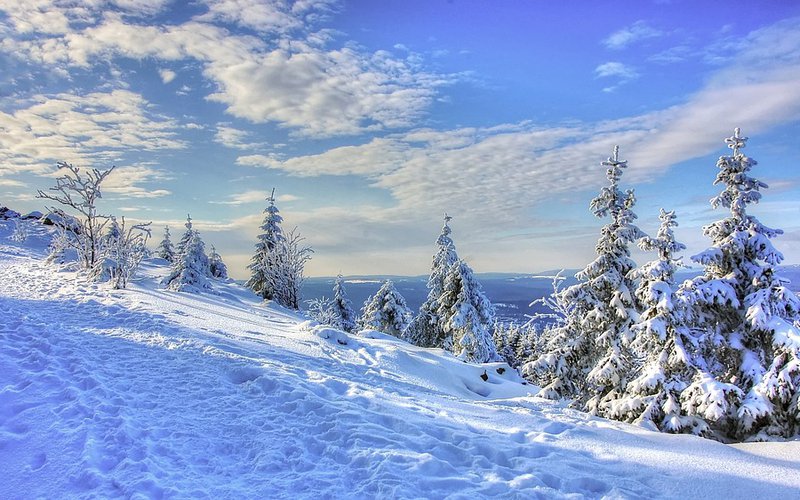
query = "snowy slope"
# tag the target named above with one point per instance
(147, 393)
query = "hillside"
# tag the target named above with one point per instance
(149, 393)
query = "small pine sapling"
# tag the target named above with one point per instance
(343, 307)
(216, 266)
(386, 311)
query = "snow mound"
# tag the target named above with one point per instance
(149, 393)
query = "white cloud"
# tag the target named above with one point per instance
(133, 182)
(298, 82)
(254, 196)
(638, 31)
(167, 75)
(616, 69)
(676, 54)
(378, 156)
(264, 17)
(496, 174)
(91, 129)
(234, 138)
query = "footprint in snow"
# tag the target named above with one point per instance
(555, 428)
(244, 374)
(38, 461)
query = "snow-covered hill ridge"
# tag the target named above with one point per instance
(149, 393)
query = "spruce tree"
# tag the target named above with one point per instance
(342, 306)
(265, 256)
(751, 385)
(165, 249)
(506, 338)
(190, 270)
(113, 232)
(663, 340)
(587, 357)
(386, 311)
(467, 316)
(216, 267)
(426, 329)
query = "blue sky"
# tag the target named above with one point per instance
(373, 118)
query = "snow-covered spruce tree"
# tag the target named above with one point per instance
(386, 311)
(507, 337)
(343, 307)
(663, 341)
(751, 386)
(283, 269)
(265, 254)
(165, 249)
(113, 231)
(466, 316)
(587, 358)
(80, 191)
(216, 267)
(426, 328)
(190, 270)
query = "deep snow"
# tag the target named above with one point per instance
(149, 393)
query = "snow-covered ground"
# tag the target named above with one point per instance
(147, 393)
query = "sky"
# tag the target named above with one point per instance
(371, 119)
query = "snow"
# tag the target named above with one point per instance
(147, 393)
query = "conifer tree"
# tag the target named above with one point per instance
(190, 270)
(216, 267)
(165, 249)
(466, 316)
(751, 386)
(342, 306)
(386, 311)
(587, 358)
(113, 232)
(507, 337)
(663, 340)
(426, 329)
(260, 266)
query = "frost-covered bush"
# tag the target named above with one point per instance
(20, 231)
(80, 191)
(284, 269)
(323, 310)
(123, 250)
